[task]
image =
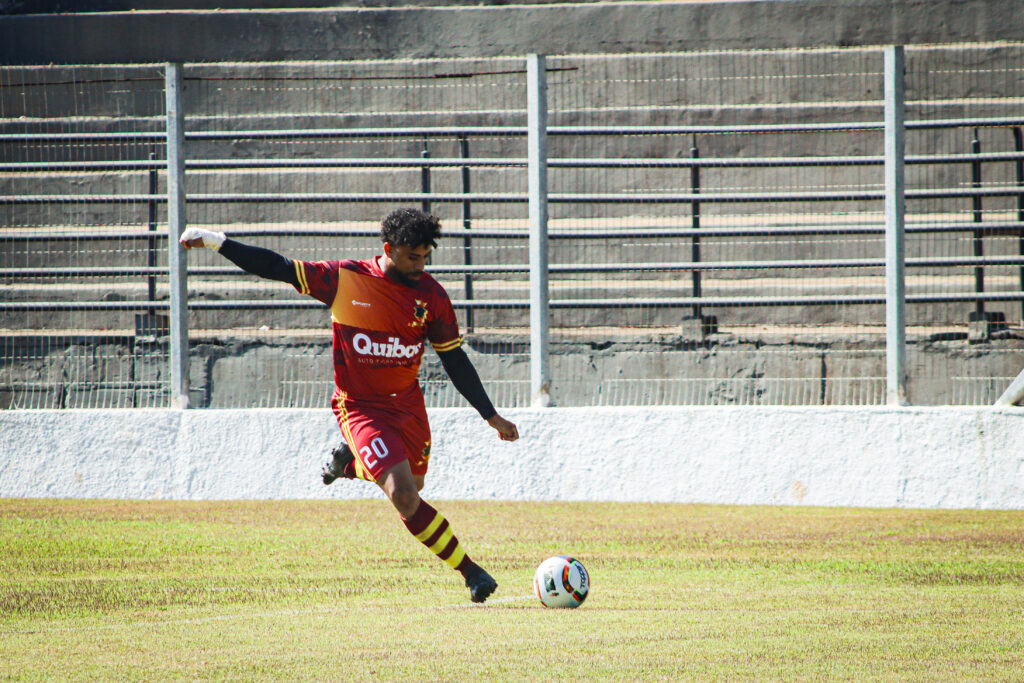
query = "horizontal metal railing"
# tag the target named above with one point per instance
(993, 227)
(693, 198)
(214, 271)
(492, 304)
(512, 162)
(502, 131)
(520, 198)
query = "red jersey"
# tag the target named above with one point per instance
(380, 326)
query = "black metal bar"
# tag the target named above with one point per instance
(976, 213)
(151, 246)
(467, 224)
(695, 224)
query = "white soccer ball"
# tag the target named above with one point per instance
(561, 581)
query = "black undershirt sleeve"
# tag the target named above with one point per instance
(259, 261)
(465, 378)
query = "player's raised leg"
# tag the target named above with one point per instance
(431, 529)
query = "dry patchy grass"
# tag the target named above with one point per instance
(325, 590)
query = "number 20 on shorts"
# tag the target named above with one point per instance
(377, 450)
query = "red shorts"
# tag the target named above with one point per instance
(382, 433)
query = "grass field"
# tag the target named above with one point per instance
(338, 590)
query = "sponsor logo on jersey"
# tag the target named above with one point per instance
(360, 303)
(393, 348)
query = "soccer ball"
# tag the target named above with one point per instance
(561, 581)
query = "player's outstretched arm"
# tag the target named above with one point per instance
(256, 260)
(465, 378)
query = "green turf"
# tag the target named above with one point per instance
(338, 590)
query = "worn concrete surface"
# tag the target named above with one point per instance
(383, 33)
(879, 457)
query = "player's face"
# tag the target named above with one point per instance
(405, 264)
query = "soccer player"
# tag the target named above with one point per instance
(383, 310)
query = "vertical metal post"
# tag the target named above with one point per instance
(895, 253)
(695, 224)
(976, 213)
(537, 182)
(176, 258)
(467, 251)
(425, 177)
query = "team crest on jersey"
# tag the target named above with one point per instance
(425, 456)
(419, 316)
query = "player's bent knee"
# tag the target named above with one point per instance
(406, 500)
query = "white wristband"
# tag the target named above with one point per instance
(211, 240)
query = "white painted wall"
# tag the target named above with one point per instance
(879, 457)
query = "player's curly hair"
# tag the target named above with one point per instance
(411, 227)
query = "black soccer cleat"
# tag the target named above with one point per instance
(341, 459)
(480, 584)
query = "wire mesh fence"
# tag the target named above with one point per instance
(83, 221)
(743, 192)
(306, 159)
(971, 244)
(716, 231)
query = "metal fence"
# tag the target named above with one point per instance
(700, 228)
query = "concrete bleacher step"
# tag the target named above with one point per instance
(840, 78)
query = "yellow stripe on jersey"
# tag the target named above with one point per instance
(448, 345)
(346, 430)
(431, 528)
(361, 471)
(300, 273)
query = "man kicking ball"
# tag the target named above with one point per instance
(384, 309)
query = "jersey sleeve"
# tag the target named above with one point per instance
(443, 326)
(318, 279)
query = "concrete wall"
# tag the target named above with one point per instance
(735, 367)
(157, 36)
(909, 457)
